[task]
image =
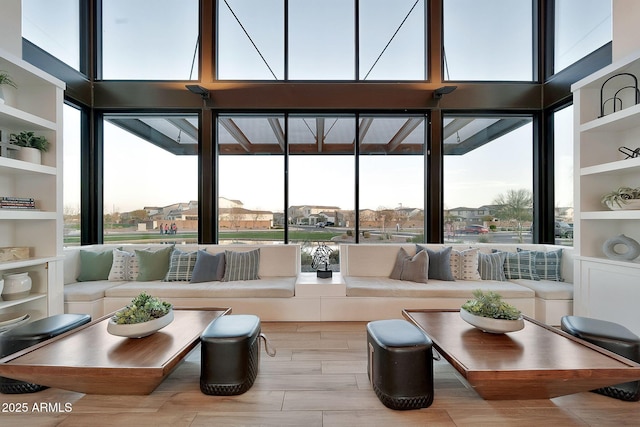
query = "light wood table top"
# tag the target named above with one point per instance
(537, 362)
(90, 360)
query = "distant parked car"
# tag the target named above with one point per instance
(320, 225)
(475, 229)
(330, 224)
(563, 230)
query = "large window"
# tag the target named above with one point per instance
(137, 45)
(488, 40)
(150, 178)
(42, 25)
(392, 203)
(251, 179)
(71, 174)
(321, 40)
(581, 26)
(392, 33)
(251, 46)
(488, 179)
(563, 175)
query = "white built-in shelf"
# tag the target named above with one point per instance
(602, 260)
(615, 215)
(619, 166)
(26, 214)
(18, 302)
(19, 167)
(28, 262)
(12, 118)
(614, 122)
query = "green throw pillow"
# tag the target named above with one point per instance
(153, 265)
(95, 265)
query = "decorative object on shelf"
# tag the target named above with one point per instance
(5, 81)
(31, 146)
(623, 198)
(11, 320)
(631, 154)
(489, 313)
(616, 98)
(320, 256)
(13, 254)
(16, 286)
(144, 316)
(631, 252)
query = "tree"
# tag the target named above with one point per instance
(515, 205)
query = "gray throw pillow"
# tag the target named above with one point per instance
(241, 265)
(412, 268)
(491, 266)
(439, 263)
(208, 268)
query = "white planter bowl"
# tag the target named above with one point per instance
(140, 330)
(627, 205)
(16, 286)
(493, 326)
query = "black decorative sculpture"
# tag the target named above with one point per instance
(320, 256)
(616, 98)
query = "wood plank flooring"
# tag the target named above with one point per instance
(318, 378)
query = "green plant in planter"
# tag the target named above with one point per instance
(142, 308)
(620, 196)
(5, 79)
(30, 140)
(490, 305)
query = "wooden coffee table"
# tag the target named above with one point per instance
(538, 362)
(90, 360)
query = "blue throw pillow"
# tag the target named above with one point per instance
(491, 266)
(439, 263)
(208, 268)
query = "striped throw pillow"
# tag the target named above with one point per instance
(241, 265)
(181, 266)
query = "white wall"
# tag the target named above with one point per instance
(11, 27)
(626, 28)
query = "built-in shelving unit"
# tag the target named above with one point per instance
(36, 105)
(605, 288)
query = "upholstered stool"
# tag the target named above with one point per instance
(230, 350)
(613, 337)
(400, 364)
(29, 334)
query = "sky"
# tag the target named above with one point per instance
(131, 173)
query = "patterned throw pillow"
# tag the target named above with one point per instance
(241, 265)
(464, 264)
(412, 268)
(491, 266)
(208, 268)
(181, 266)
(520, 265)
(549, 265)
(125, 266)
(439, 263)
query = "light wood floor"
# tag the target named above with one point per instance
(318, 378)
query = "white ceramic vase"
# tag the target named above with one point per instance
(139, 330)
(493, 326)
(16, 286)
(29, 154)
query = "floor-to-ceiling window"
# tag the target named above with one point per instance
(251, 178)
(392, 178)
(563, 175)
(71, 140)
(488, 178)
(150, 178)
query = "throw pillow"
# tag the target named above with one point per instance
(208, 268)
(181, 266)
(125, 266)
(491, 266)
(464, 264)
(153, 265)
(520, 265)
(412, 268)
(94, 265)
(241, 265)
(549, 264)
(439, 263)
